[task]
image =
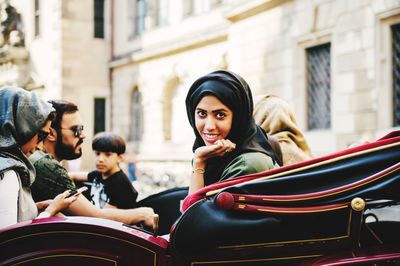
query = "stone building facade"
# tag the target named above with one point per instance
(60, 58)
(334, 61)
(270, 43)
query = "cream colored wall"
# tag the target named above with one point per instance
(45, 49)
(84, 62)
(269, 50)
(154, 74)
(265, 42)
(184, 50)
(67, 59)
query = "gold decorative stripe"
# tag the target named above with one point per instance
(272, 244)
(256, 260)
(268, 244)
(333, 193)
(306, 167)
(346, 156)
(349, 223)
(302, 211)
(85, 233)
(242, 198)
(66, 255)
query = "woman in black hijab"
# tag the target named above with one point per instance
(228, 142)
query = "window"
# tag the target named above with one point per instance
(131, 19)
(193, 7)
(141, 8)
(99, 18)
(396, 73)
(319, 87)
(146, 14)
(188, 7)
(136, 117)
(99, 115)
(37, 18)
(161, 13)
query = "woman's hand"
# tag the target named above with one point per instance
(201, 154)
(60, 202)
(219, 148)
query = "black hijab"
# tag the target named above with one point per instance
(234, 92)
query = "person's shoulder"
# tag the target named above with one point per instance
(119, 177)
(121, 174)
(45, 164)
(249, 163)
(42, 157)
(256, 160)
(256, 156)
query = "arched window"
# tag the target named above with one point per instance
(136, 118)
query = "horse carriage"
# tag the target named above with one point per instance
(339, 209)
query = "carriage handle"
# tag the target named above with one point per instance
(226, 201)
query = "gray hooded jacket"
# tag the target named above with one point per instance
(22, 115)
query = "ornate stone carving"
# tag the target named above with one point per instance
(11, 26)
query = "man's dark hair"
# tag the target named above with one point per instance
(62, 107)
(108, 142)
(52, 116)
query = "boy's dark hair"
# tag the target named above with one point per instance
(108, 142)
(62, 107)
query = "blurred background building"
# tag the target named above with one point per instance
(129, 63)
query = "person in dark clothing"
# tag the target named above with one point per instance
(64, 143)
(228, 142)
(111, 187)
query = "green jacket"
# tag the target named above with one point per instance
(51, 177)
(248, 163)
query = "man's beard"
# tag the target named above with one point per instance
(67, 152)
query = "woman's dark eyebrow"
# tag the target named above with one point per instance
(220, 110)
(214, 111)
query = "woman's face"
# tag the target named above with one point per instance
(31, 146)
(213, 119)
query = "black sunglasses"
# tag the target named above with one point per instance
(76, 129)
(42, 135)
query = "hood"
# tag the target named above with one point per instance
(22, 115)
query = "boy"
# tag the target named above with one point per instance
(111, 187)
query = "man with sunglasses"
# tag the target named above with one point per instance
(63, 142)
